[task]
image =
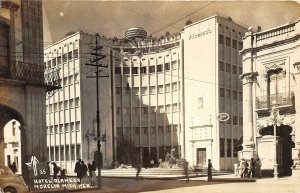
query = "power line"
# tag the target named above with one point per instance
(183, 17)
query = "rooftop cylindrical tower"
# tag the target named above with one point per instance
(136, 32)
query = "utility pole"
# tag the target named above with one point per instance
(95, 62)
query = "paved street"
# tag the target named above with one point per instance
(196, 185)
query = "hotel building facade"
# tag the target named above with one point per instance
(162, 94)
(271, 77)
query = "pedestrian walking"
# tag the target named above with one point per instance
(258, 168)
(242, 167)
(186, 171)
(84, 170)
(77, 170)
(252, 169)
(62, 174)
(246, 172)
(92, 174)
(209, 170)
(55, 170)
(138, 171)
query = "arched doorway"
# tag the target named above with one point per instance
(283, 150)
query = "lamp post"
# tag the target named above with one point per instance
(276, 122)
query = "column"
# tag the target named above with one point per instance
(296, 150)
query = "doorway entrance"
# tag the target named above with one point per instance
(201, 157)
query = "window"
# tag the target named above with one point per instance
(175, 128)
(159, 68)
(135, 111)
(134, 70)
(221, 66)
(234, 44)
(160, 129)
(145, 130)
(76, 79)
(137, 130)
(119, 110)
(221, 39)
(228, 93)
(160, 109)
(77, 126)
(67, 129)
(75, 54)
(118, 90)
(167, 66)
(160, 88)
(145, 110)
(174, 107)
(151, 69)
(174, 65)
(174, 86)
(127, 130)
(126, 110)
(59, 60)
(241, 121)
(240, 96)
(72, 127)
(56, 129)
(222, 149)
(240, 45)
(240, 70)
(234, 151)
(117, 70)
(51, 129)
(119, 130)
(234, 95)
(54, 62)
(152, 130)
(71, 103)
(221, 92)
(228, 147)
(65, 59)
(168, 129)
(228, 68)
(229, 120)
(235, 120)
(152, 110)
(167, 88)
(168, 108)
(126, 70)
(70, 55)
(66, 104)
(143, 90)
(152, 89)
(228, 43)
(144, 70)
(234, 69)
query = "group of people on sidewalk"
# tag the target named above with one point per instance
(247, 170)
(81, 169)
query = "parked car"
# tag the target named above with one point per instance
(10, 182)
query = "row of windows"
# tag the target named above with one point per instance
(235, 95)
(56, 129)
(143, 59)
(227, 28)
(151, 69)
(230, 42)
(229, 147)
(148, 110)
(234, 120)
(146, 130)
(230, 68)
(63, 105)
(62, 59)
(152, 89)
(64, 153)
(70, 80)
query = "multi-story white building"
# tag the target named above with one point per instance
(166, 93)
(71, 110)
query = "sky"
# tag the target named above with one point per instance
(113, 18)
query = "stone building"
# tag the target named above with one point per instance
(271, 91)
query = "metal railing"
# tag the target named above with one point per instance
(278, 100)
(33, 74)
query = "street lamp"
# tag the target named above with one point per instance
(275, 119)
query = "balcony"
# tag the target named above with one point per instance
(32, 74)
(284, 101)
